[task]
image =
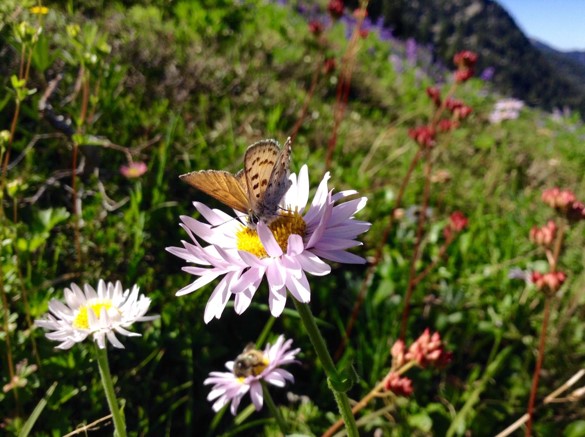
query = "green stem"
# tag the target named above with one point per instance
(333, 375)
(102, 359)
(274, 409)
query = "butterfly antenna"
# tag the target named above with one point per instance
(221, 224)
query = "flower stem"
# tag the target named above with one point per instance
(329, 367)
(274, 409)
(538, 367)
(119, 423)
(377, 391)
(417, 244)
(543, 331)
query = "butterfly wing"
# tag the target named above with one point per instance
(279, 182)
(259, 161)
(221, 185)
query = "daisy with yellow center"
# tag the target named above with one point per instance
(100, 314)
(283, 251)
(282, 228)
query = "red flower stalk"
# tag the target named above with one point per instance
(400, 386)
(465, 62)
(428, 350)
(423, 135)
(329, 65)
(544, 236)
(435, 94)
(548, 282)
(335, 8)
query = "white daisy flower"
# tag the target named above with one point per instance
(101, 314)
(283, 251)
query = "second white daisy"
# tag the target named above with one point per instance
(99, 314)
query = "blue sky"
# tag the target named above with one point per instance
(558, 23)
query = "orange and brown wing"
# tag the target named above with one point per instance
(259, 162)
(221, 185)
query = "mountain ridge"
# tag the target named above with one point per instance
(533, 72)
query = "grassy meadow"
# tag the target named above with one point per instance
(189, 85)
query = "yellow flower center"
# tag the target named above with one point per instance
(286, 224)
(39, 10)
(81, 319)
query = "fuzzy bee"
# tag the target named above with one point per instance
(250, 362)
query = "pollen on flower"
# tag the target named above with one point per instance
(287, 223)
(81, 319)
(249, 241)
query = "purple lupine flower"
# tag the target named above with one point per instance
(411, 50)
(487, 74)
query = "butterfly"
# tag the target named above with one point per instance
(255, 190)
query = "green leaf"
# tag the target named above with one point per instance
(575, 429)
(28, 425)
(459, 423)
(421, 421)
(41, 56)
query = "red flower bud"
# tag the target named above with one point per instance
(445, 125)
(316, 27)
(462, 112)
(544, 236)
(558, 199)
(335, 8)
(465, 59)
(423, 135)
(465, 62)
(548, 282)
(464, 75)
(428, 350)
(458, 221)
(576, 211)
(397, 352)
(435, 94)
(400, 386)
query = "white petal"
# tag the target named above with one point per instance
(217, 301)
(268, 241)
(277, 301)
(256, 395)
